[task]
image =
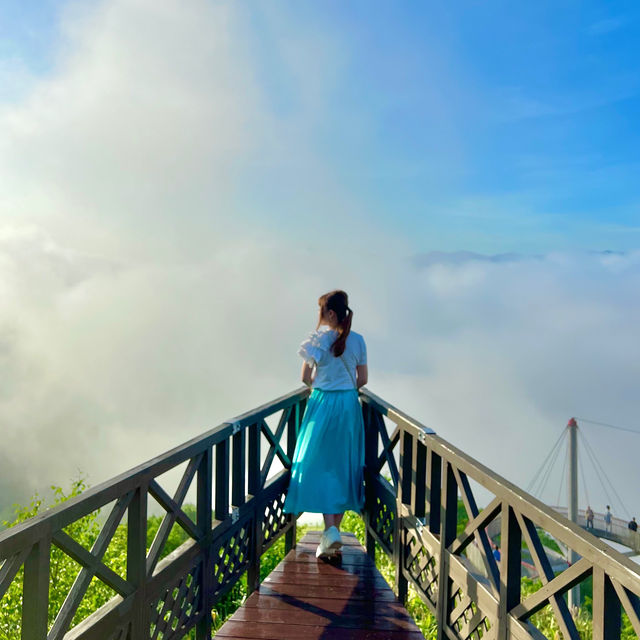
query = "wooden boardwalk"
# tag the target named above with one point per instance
(341, 599)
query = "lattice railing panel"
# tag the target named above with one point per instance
(177, 607)
(422, 567)
(274, 519)
(231, 558)
(466, 620)
(383, 520)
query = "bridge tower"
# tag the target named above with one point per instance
(572, 499)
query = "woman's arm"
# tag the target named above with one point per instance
(362, 373)
(307, 374)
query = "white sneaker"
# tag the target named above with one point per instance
(333, 538)
(330, 543)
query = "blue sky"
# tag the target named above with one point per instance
(491, 125)
(486, 126)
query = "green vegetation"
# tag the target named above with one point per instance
(85, 531)
(417, 609)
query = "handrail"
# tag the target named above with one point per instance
(239, 516)
(412, 514)
(415, 521)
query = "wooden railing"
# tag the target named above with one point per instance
(413, 516)
(413, 482)
(239, 505)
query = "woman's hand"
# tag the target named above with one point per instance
(307, 374)
(362, 375)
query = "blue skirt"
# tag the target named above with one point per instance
(327, 465)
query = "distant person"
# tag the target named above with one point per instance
(496, 553)
(589, 514)
(608, 519)
(633, 525)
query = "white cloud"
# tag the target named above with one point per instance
(140, 304)
(139, 124)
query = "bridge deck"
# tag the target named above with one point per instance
(312, 599)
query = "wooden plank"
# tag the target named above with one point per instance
(234, 629)
(448, 523)
(137, 560)
(606, 607)
(239, 454)
(325, 568)
(221, 487)
(36, 591)
(357, 607)
(419, 486)
(346, 579)
(309, 598)
(510, 569)
(290, 613)
(361, 592)
(204, 522)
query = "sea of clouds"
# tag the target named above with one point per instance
(142, 302)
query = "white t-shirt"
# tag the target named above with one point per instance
(331, 372)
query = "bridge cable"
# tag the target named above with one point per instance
(584, 482)
(624, 508)
(542, 466)
(597, 470)
(544, 471)
(550, 469)
(610, 426)
(564, 468)
(549, 472)
(613, 488)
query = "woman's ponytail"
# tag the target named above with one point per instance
(338, 301)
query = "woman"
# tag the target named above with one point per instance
(327, 465)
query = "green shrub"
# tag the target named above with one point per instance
(85, 531)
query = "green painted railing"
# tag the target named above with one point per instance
(240, 471)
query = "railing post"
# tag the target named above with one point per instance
(137, 561)
(448, 522)
(253, 571)
(606, 607)
(238, 469)
(35, 597)
(419, 485)
(434, 494)
(510, 568)
(295, 419)
(403, 498)
(222, 480)
(370, 455)
(204, 516)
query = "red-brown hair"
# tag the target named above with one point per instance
(337, 301)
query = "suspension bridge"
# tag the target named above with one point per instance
(420, 511)
(601, 524)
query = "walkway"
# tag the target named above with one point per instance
(311, 599)
(619, 532)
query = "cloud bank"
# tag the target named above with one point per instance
(146, 296)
